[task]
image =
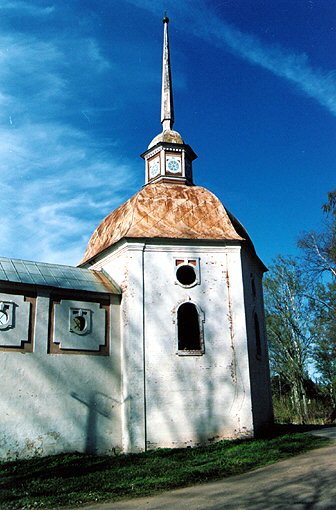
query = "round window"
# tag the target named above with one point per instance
(186, 275)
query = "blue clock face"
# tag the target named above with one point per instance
(154, 168)
(174, 165)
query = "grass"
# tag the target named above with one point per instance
(75, 479)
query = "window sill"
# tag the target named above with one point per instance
(190, 353)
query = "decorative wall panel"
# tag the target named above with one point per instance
(79, 327)
(17, 318)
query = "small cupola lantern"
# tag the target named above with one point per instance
(168, 158)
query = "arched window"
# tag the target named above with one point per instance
(189, 329)
(257, 335)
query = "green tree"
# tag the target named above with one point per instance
(330, 205)
(319, 258)
(324, 352)
(289, 328)
(319, 248)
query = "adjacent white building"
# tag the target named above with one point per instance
(156, 340)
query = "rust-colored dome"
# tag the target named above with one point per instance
(166, 210)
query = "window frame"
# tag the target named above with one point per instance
(194, 263)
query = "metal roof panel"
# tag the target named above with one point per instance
(56, 275)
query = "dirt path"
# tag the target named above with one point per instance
(306, 482)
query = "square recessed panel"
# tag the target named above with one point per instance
(17, 331)
(68, 333)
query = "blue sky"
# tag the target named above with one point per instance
(254, 92)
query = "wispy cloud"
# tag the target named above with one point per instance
(293, 67)
(198, 17)
(26, 7)
(59, 173)
(38, 76)
(57, 180)
(56, 189)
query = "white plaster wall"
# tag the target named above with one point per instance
(196, 399)
(125, 266)
(143, 394)
(53, 403)
(259, 365)
(186, 399)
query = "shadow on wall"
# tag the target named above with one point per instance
(66, 402)
(191, 399)
(98, 406)
(39, 415)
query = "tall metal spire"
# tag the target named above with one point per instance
(167, 104)
(168, 158)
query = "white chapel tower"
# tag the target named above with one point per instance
(194, 364)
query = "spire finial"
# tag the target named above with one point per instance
(167, 105)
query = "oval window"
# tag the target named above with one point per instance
(186, 275)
